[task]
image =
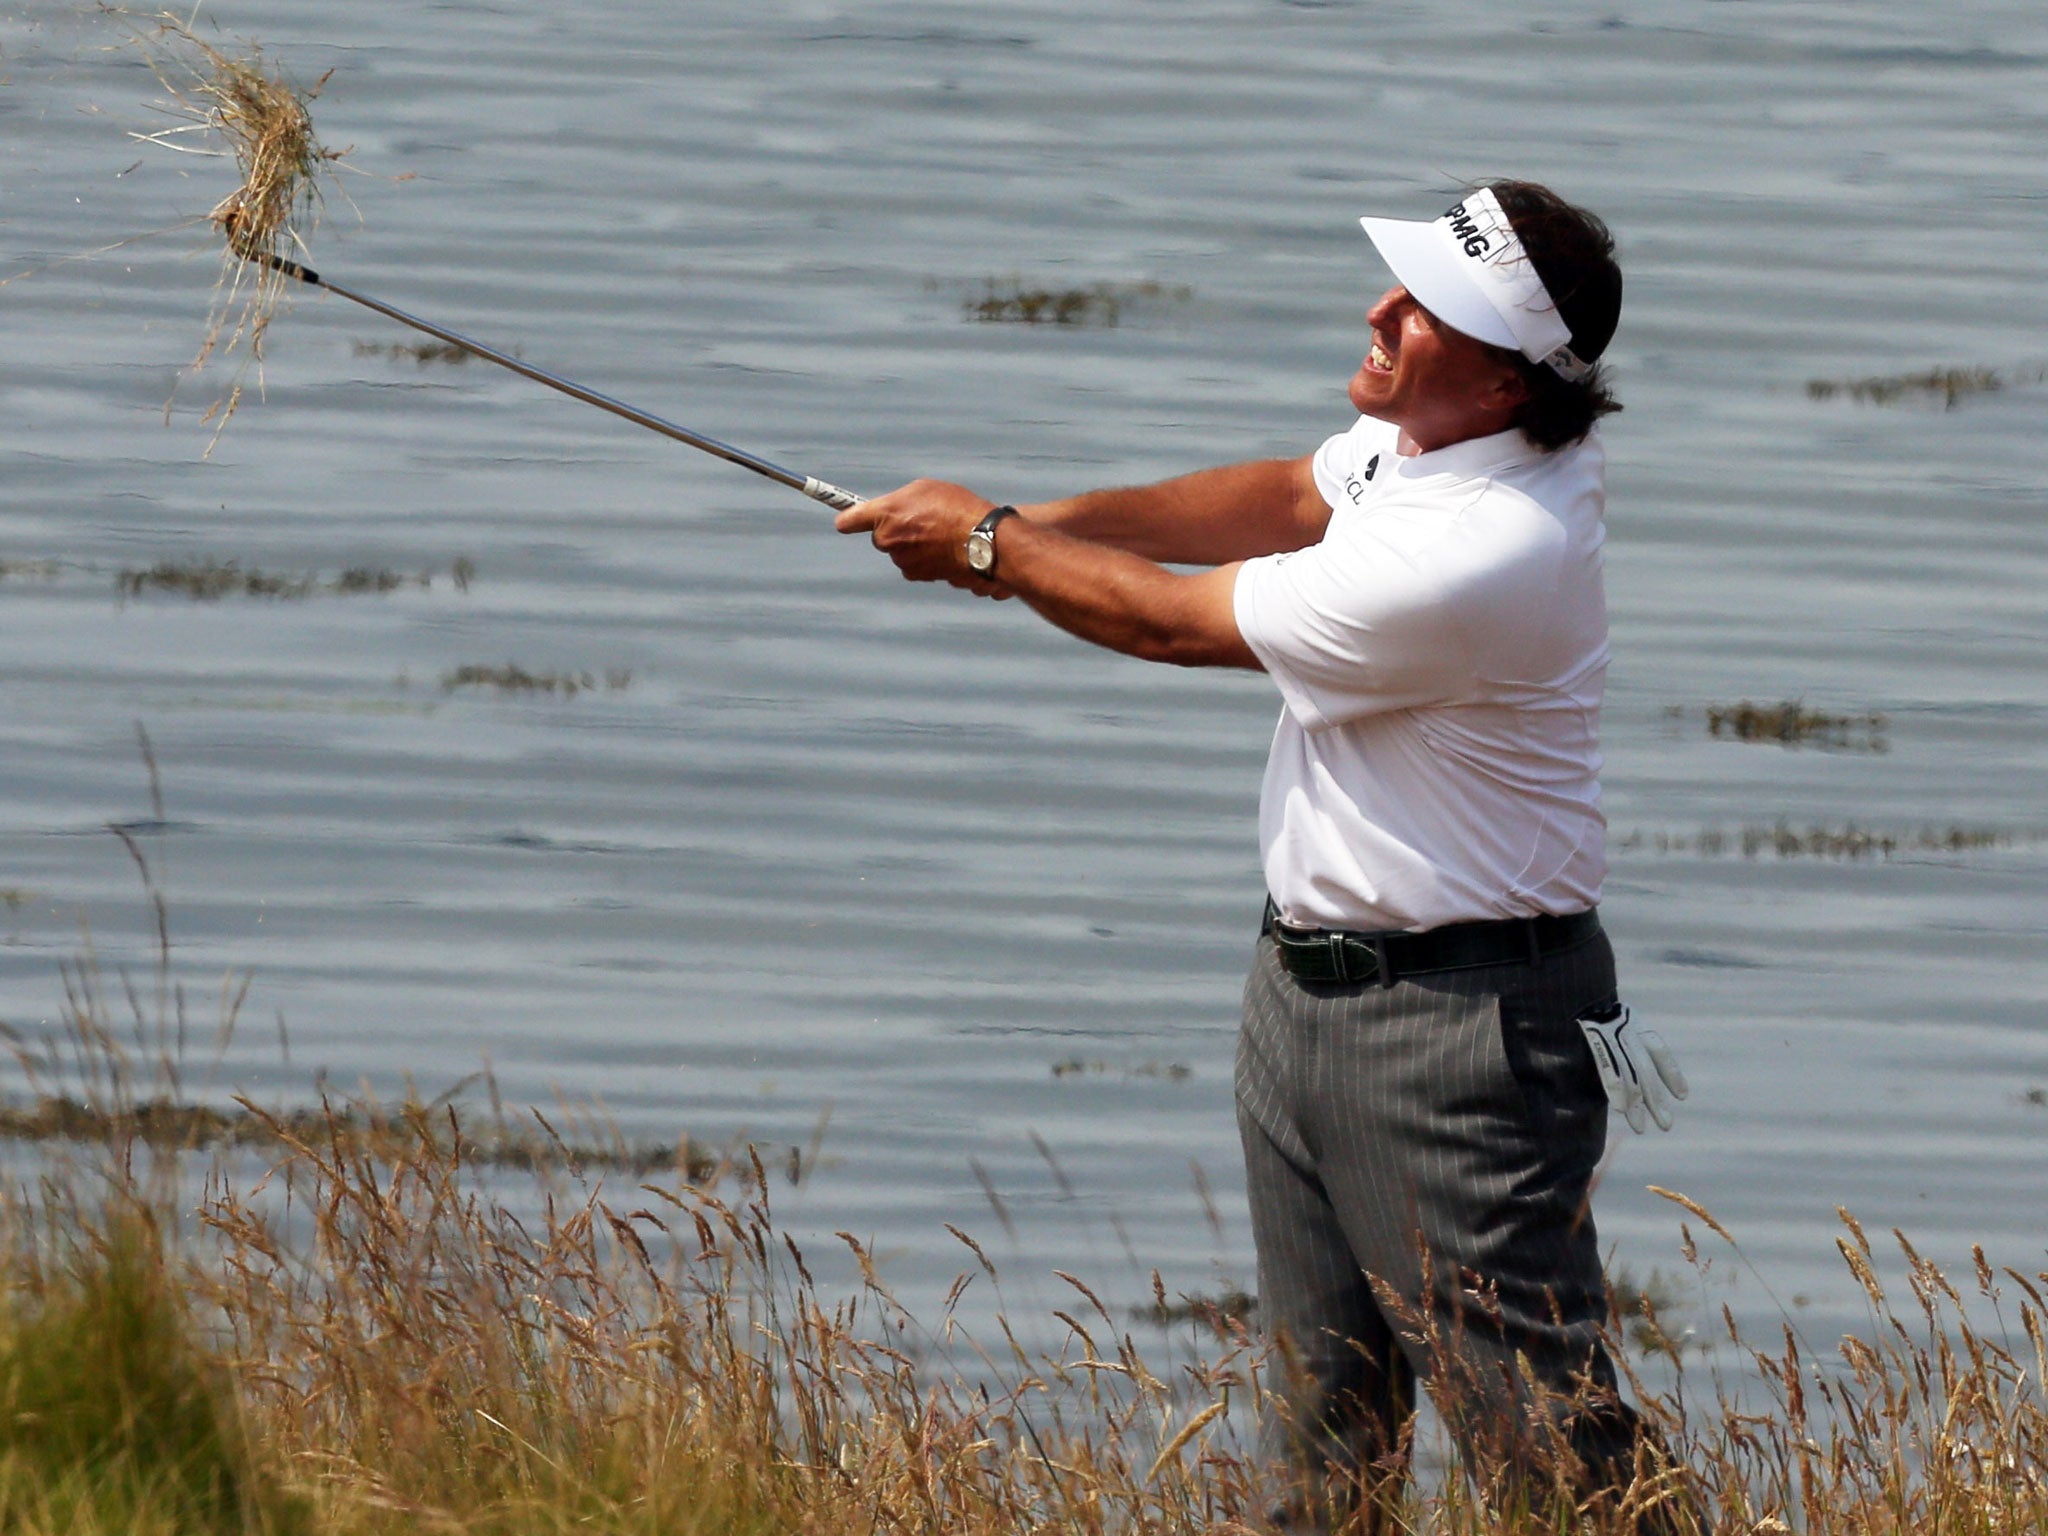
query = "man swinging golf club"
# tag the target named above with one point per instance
(1431, 1017)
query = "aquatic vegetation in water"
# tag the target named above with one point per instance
(1077, 1066)
(1222, 1313)
(1638, 1310)
(366, 1130)
(421, 352)
(212, 580)
(1949, 385)
(1792, 724)
(1782, 841)
(512, 678)
(1096, 304)
(238, 96)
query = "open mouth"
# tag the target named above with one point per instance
(1378, 360)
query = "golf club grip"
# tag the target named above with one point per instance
(818, 490)
(830, 494)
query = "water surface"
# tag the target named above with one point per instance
(842, 847)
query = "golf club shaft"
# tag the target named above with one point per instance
(810, 485)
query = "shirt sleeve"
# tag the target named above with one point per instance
(1354, 625)
(1347, 461)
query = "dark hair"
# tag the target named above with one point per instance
(1573, 253)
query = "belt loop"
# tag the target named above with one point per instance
(1381, 963)
(1535, 943)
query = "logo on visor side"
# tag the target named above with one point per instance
(1476, 241)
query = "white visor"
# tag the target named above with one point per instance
(1469, 269)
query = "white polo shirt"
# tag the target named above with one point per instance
(1440, 654)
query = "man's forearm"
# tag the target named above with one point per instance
(1106, 595)
(1123, 601)
(1233, 512)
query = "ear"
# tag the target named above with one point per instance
(1507, 390)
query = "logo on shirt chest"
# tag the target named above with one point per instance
(1354, 485)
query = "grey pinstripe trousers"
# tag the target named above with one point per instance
(1418, 1161)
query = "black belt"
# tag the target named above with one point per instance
(1339, 954)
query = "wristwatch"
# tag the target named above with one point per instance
(981, 544)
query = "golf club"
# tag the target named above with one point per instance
(818, 490)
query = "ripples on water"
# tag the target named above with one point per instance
(844, 846)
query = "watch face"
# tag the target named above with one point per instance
(981, 550)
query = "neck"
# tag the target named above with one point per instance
(1410, 443)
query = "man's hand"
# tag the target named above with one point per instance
(923, 527)
(1621, 1052)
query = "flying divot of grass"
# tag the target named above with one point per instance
(242, 98)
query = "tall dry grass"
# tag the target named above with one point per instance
(313, 1329)
(380, 1341)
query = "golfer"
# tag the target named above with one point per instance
(1431, 1025)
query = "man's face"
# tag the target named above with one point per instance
(1439, 386)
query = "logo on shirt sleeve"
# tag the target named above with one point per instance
(1354, 485)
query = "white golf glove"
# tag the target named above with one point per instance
(1637, 1067)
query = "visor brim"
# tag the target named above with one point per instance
(1424, 261)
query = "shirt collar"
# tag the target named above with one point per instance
(1473, 457)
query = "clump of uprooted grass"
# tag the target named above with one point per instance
(243, 100)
